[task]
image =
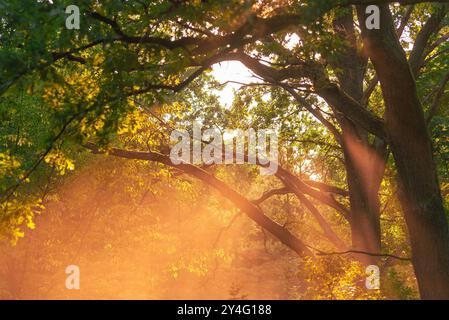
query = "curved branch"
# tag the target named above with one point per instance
(327, 229)
(382, 255)
(327, 188)
(270, 193)
(437, 99)
(297, 185)
(251, 210)
(328, 90)
(432, 25)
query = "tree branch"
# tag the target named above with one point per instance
(432, 25)
(268, 194)
(437, 99)
(327, 188)
(251, 210)
(384, 255)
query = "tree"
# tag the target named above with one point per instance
(142, 52)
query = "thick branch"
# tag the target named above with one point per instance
(323, 86)
(324, 225)
(295, 184)
(251, 210)
(432, 25)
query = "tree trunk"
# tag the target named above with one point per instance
(364, 165)
(410, 142)
(364, 214)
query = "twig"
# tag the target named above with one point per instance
(384, 255)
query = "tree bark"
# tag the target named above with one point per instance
(410, 142)
(364, 164)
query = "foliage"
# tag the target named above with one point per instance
(124, 81)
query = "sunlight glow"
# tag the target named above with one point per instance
(232, 75)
